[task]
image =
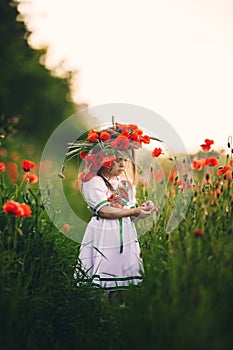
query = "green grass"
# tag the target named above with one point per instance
(185, 300)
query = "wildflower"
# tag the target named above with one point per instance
(206, 146)
(198, 232)
(211, 161)
(3, 152)
(27, 165)
(93, 161)
(66, 228)
(13, 170)
(225, 171)
(2, 167)
(17, 209)
(92, 136)
(32, 178)
(26, 209)
(107, 161)
(105, 136)
(145, 139)
(197, 164)
(157, 151)
(209, 142)
(121, 142)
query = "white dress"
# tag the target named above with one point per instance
(109, 254)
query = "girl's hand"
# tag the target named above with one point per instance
(148, 206)
(141, 212)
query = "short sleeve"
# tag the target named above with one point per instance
(95, 193)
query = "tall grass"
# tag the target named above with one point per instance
(184, 302)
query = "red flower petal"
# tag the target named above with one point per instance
(197, 164)
(121, 142)
(105, 136)
(157, 151)
(205, 147)
(2, 167)
(211, 161)
(32, 178)
(107, 161)
(27, 165)
(92, 136)
(145, 139)
(209, 142)
(17, 209)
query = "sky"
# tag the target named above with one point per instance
(174, 57)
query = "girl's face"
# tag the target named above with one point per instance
(118, 166)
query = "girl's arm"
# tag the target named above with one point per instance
(108, 212)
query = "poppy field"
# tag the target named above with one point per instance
(185, 300)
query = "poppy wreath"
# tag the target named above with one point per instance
(101, 148)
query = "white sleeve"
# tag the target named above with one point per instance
(132, 194)
(95, 193)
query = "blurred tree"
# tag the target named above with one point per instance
(27, 88)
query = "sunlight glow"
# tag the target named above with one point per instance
(173, 57)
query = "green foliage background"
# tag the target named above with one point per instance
(27, 88)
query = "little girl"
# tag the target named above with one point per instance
(110, 254)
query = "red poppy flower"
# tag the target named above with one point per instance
(198, 232)
(32, 178)
(2, 167)
(231, 162)
(209, 142)
(197, 164)
(211, 161)
(145, 139)
(127, 127)
(157, 151)
(84, 177)
(225, 171)
(27, 165)
(13, 170)
(92, 162)
(107, 161)
(26, 210)
(123, 127)
(121, 142)
(135, 137)
(132, 127)
(92, 136)
(66, 228)
(17, 209)
(205, 147)
(172, 176)
(105, 136)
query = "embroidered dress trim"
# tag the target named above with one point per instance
(96, 278)
(100, 205)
